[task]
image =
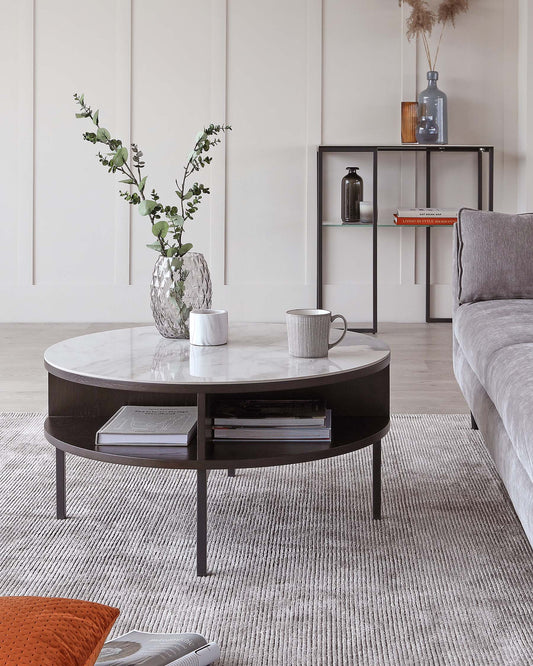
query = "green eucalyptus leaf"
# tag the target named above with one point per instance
(185, 248)
(103, 135)
(160, 228)
(128, 181)
(120, 157)
(142, 183)
(177, 221)
(147, 206)
(95, 117)
(155, 246)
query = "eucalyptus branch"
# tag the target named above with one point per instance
(164, 219)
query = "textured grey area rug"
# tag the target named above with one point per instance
(300, 572)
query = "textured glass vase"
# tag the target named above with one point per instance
(351, 196)
(433, 113)
(174, 292)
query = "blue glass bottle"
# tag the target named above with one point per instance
(434, 103)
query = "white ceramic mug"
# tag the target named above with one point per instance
(208, 328)
(308, 332)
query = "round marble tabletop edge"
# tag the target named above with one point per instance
(255, 353)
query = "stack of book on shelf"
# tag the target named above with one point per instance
(148, 431)
(272, 420)
(425, 216)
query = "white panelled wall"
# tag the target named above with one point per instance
(288, 75)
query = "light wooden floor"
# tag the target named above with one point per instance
(422, 378)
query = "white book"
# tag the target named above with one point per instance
(151, 426)
(141, 648)
(153, 451)
(427, 212)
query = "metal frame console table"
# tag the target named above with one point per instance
(417, 148)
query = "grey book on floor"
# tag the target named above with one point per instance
(149, 426)
(141, 648)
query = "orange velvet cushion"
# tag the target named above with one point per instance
(41, 631)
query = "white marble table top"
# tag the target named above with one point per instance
(254, 353)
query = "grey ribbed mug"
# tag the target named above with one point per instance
(308, 332)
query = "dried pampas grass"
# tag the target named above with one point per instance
(423, 18)
(449, 9)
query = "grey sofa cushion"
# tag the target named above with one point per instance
(496, 339)
(517, 480)
(510, 387)
(494, 256)
(483, 328)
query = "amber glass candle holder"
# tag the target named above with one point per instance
(409, 121)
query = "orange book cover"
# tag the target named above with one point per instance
(425, 221)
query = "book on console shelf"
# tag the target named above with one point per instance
(140, 648)
(147, 429)
(263, 413)
(272, 433)
(425, 216)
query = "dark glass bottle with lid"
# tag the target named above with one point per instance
(351, 196)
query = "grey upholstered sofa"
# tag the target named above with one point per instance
(493, 342)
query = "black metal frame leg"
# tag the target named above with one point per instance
(201, 522)
(61, 491)
(231, 472)
(473, 423)
(376, 480)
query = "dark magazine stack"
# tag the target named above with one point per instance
(305, 420)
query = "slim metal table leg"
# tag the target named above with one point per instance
(61, 492)
(319, 239)
(376, 480)
(201, 522)
(231, 472)
(375, 241)
(491, 178)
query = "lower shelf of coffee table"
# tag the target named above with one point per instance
(77, 435)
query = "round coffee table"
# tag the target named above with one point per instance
(92, 376)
